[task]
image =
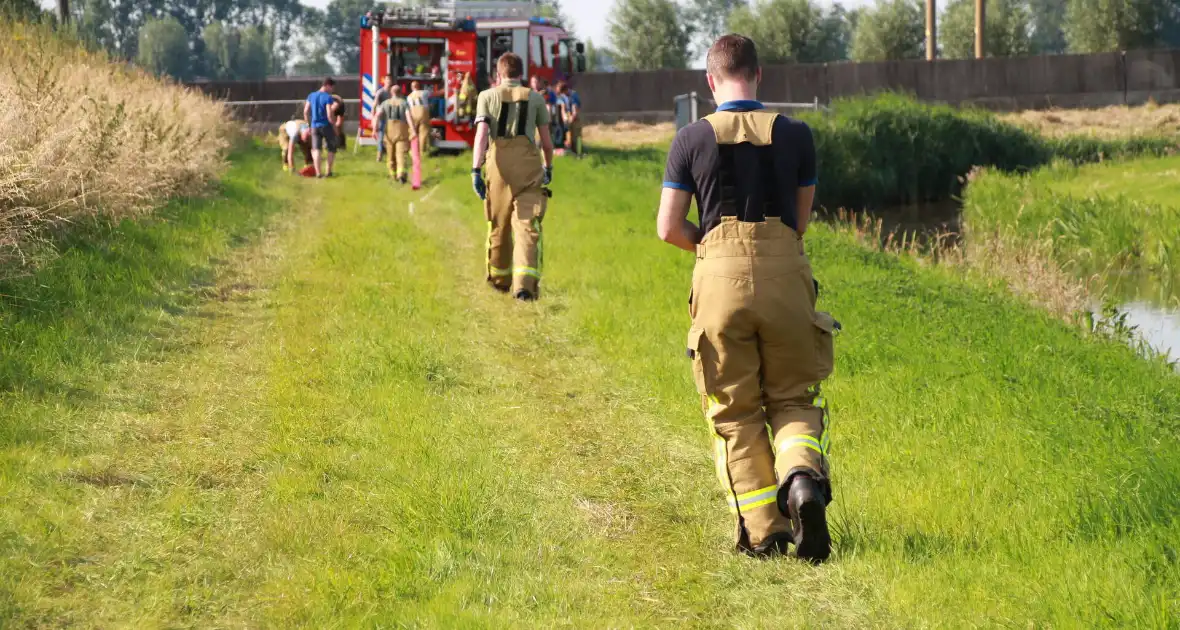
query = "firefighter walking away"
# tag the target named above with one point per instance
(759, 349)
(394, 116)
(514, 194)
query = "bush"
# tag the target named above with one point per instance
(83, 136)
(890, 149)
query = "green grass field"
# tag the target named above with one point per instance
(297, 404)
(1119, 220)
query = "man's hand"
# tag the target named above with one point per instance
(477, 184)
(548, 178)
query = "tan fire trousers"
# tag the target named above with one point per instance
(760, 351)
(397, 147)
(514, 208)
(421, 117)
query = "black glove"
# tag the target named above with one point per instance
(548, 179)
(481, 189)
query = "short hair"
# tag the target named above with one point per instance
(329, 82)
(563, 87)
(733, 57)
(414, 85)
(388, 77)
(396, 89)
(510, 66)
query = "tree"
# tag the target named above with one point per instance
(254, 55)
(794, 30)
(891, 29)
(20, 9)
(221, 45)
(341, 28)
(710, 19)
(598, 59)
(552, 9)
(648, 35)
(164, 48)
(1048, 26)
(1108, 25)
(1008, 32)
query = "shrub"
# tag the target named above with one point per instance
(83, 136)
(890, 149)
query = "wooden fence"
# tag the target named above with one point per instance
(1016, 83)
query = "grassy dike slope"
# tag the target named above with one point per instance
(344, 427)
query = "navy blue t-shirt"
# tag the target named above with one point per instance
(762, 181)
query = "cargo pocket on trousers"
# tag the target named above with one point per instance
(825, 352)
(696, 339)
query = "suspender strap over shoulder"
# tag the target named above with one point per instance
(748, 177)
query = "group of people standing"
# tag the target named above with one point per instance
(565, 114)
(318, 134)
(399, 122)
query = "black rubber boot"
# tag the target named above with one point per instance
(525, 296)
(806, 506)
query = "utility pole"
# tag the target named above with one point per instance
(931, 30)
(63, 11)
(980, 20)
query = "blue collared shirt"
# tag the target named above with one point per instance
(740, 106)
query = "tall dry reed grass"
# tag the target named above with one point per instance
(84, 136)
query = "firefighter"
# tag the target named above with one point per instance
(394, 117)
(515, 193)
(759, 348)
(467, 96)
(382, 95)
(419, 101)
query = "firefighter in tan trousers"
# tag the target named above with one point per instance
(394, 112)
(515, 194)
(419, 101)
(759, 348)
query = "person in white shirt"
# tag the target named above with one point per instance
(294, 133)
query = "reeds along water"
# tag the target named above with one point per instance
(82, 135)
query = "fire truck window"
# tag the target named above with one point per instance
(548, 46)
(417, 61)
(563, 57)
(535, 57)
(482, 80)
(501, 43)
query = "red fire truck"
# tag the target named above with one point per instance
(440, 45)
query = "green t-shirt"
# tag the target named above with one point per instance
(492, 102)
(395, 108)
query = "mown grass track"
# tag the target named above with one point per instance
(345, 428)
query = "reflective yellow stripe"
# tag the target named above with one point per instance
(496, 272)
(750, 495)
(528, 271)
(714, 407)
(760, 503)
(802, 440)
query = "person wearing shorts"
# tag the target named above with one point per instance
(320, 111)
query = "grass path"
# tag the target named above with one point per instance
(342, 427)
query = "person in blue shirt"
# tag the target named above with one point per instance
(320, 111)
(570, 106)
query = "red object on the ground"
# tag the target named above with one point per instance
(308, 171)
